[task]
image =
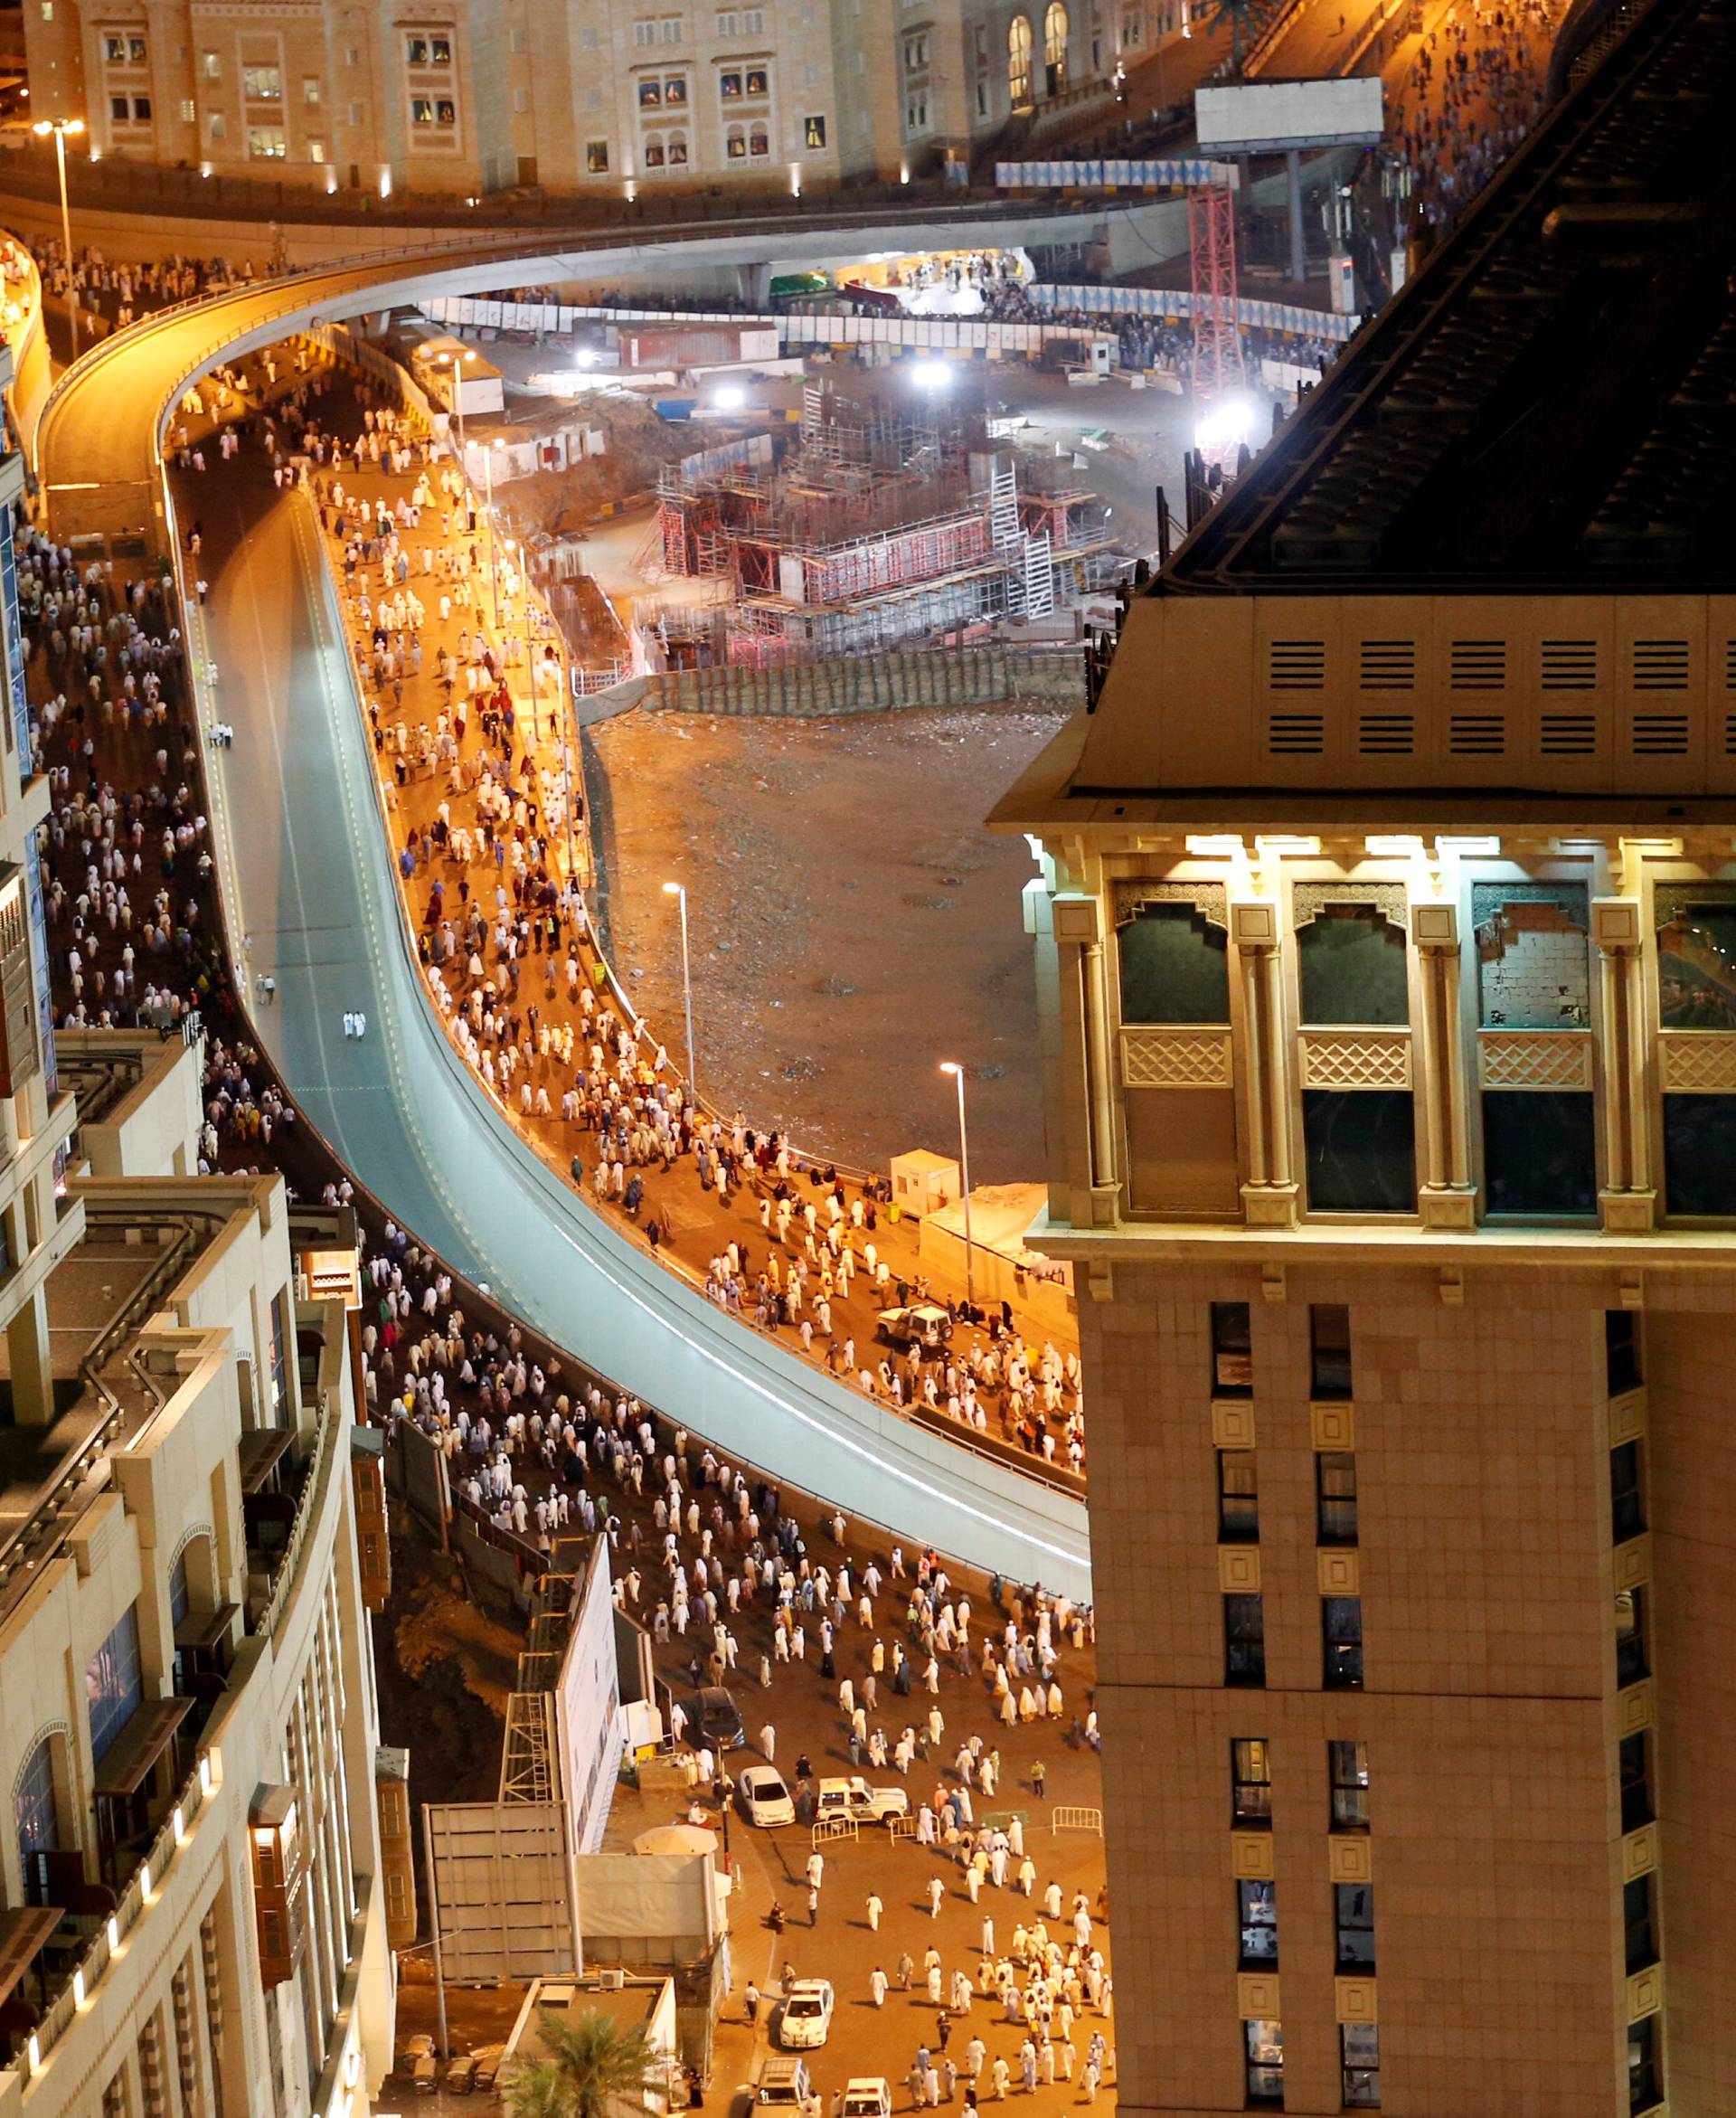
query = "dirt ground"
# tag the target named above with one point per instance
(852, 921)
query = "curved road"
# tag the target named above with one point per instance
(309, 897)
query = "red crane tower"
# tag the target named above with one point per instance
(1218, 377)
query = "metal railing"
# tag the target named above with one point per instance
(1071, 1817)
(306, 1504)
(136, 1897)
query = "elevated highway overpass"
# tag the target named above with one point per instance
(309, 898)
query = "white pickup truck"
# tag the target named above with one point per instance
(863, 1805)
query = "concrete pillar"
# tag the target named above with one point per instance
(1087, 1093)
(753, 284)
(1293, 194)
(33, 1382)
(1627, 1202)
(1446, 1198)
(1268, 1197)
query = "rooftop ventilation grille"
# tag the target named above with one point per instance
(1387, 735)
(1295, 735)
(1660, 735)
(1479, 736)
(1570, 664)
(1660, 664)
(1297, 664)
(1477, 664)
(1389, 665)
(1568, 735)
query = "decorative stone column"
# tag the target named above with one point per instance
(1446, 1198)
(1089, 1087)
(1268, 1197)
(1627, 1203)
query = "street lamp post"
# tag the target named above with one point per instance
(60, 128)
(679, 891)
(952, 1067)
(489, 482)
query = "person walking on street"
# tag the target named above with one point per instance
(874, 1909)
(750, 2001)
(877, 1984)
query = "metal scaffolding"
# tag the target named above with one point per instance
(1218, 370)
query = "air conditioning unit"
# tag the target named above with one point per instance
(611, 1982)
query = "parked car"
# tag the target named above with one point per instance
(919, 1323)
(461, 2074)
(805, 2019)
(867, 2095)
(764, 1797)
(785, 2086)
(713, 1719)
(863, 1804)
(488, 2059)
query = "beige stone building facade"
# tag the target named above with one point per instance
(570, 96)
(1386, 935)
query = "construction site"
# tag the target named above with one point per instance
(876, 529)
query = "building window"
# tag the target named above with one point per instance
(813, 133)
(310, 92)
(316, 151)
(1232, 1364)
(1638, 1912)
(262, 84)
(1329, 1349)
(643, 33)
(1636, 1807)
(1265, 2048)
(1250, 1784)
(1626, 1509)
(35, 1814)
(758, 82)
(1359, 2052)
(735, 144)
(729, 85)
(1539, 1156)
(433, 113)
(118, 109)
(217, 125)
(758, 143)
(597, 157)
(651, 94)
(1645, 2064)
(1238, 1497)
(1353, 1914)
(1621, 1350)
(428, 51)
(1341, 1625)
(1347, 1767)
(179, 1595)
(1018, 60)
(113, 1684)
(1696, 957)
(916, 54)
(1174, 966)
(1335, 1479)
(1353, 964)
(1054, 48)
(1631, 1663)
(1244, 1640)
(1360, 1148)
(266, 143)
(916, 114)
(1534, 955)
(211, 65)
(671, 29)
(1699, 1156)
(1257, 1914)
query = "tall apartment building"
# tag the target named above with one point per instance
(1387, 946)
(477, 96)
(191, 1916)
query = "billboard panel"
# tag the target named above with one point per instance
(1263, 117)
(501, 1889)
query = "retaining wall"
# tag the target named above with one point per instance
(878, 684)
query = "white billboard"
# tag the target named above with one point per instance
(1268, 116)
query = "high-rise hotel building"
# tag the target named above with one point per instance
(1387, 943)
